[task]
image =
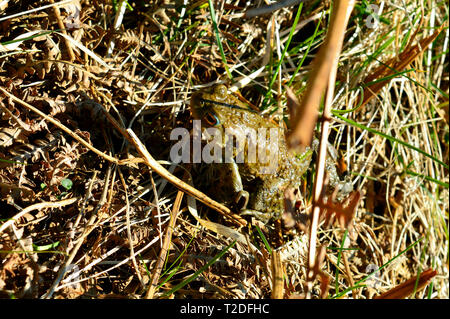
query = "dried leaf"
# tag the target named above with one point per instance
(342, 211)
(393, 66)
(408, 287)
(317, 272)
(293, 103)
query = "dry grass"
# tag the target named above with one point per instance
(107, 223)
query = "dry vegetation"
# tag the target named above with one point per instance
(66, 210)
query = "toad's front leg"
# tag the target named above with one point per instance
(267, 201)
(231, 173)
(241, 196)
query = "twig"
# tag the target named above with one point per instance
(62, 127)
(104, 256)
(277, 276)
(306, 116)
(325, 68)
(158, 210)
(348, 272)
(89, 228)
(130, 238)
(154, 165)
(271, 8)
(148, 159)
(117, 22)
(38, 206)
(165, 247)
(63, 30)
(35, 10)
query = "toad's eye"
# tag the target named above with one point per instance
(211, 119)
(220, 91)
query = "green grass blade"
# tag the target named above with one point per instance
(339, 261)
(39, 34)
(390, 138)
(11, 162)
(33, 252)
(310, 43)
(219, 42)
(173, 270)
(428, 178)
(283, 54)
(198, 272)
(174, 264)
(264, 239)
(359, 285)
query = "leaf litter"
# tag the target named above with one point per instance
(114, 226)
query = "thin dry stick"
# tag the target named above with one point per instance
(130, 238)
(88, 229)
(88, 196)
(277, 276)
(38, 207)
(131, 137)
(306, 115)
(158, 210)
(332, 47)
(63, 30)
(62, 127)
(154, 165)
(165, 247)
(34, 10)
(138, 48)
(348, 272)
(31, 258)
(101, 258)
(117, 22)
